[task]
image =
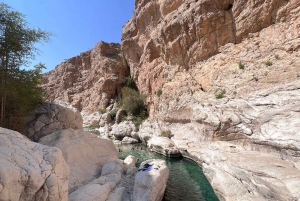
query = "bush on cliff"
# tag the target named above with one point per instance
(133, 102)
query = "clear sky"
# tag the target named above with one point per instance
(77, 25)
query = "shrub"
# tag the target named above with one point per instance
(113, 114)
(129, 83)
(241, 66)
(132, 101)
(269, 63)
(159, 92)
(220, 94)
(102, 111)
(255, 79)
(277, 56)
(177, 99)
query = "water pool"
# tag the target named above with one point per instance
(186, 181)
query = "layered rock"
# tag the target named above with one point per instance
(90, 81)
(51, 117)
(31, 171)
(84, 152)
(165, 40)
(228, 79)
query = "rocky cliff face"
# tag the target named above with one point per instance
(229, 72)
(165, 38)
(89, 81)
(229, 76)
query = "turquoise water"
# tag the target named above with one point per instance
(186, 181)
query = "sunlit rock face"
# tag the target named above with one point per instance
(89, 81)
(31, 171)
(166, 42)
(229, 76)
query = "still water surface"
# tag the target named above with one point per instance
(186, 181)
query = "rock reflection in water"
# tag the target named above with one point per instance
(186, 181)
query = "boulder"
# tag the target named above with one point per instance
(120, 115)
(151, 181)
(92, 120)
(129, 140)
(51, 117)
(84, 152)
(31, 171)
(108, 187)
(135, 135)
(105, 119)
(164, 146)
(130, 161)
(123, 129)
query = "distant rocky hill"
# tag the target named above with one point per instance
(222, 76)
(89, 81)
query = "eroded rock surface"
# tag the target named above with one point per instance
(228, 73)
(51, 117)
(84, 152)
(114, 184)
(31, 171)
(123, 129)
(151, 180)
(90, 81)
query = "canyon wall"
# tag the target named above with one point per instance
(224, 78)
(89, 81)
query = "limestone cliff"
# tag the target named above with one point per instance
(229, 73)
(89, 81)
(229, 76)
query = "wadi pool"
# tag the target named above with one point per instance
(186, 181)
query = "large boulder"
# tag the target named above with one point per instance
(123, 129)
(31, 171)
(164, 146)
(84, 152)
(129, 140)
(151, 181)
(51, 117)
(114, 184)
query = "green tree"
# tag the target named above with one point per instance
(19, 91)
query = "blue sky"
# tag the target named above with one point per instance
(77, 25)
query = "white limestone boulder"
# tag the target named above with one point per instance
(108, 187)
(164, 146)
(151, 181)
(31, 171)
(129, 140)
(84, 152)
(123, 129)
(51, 117)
